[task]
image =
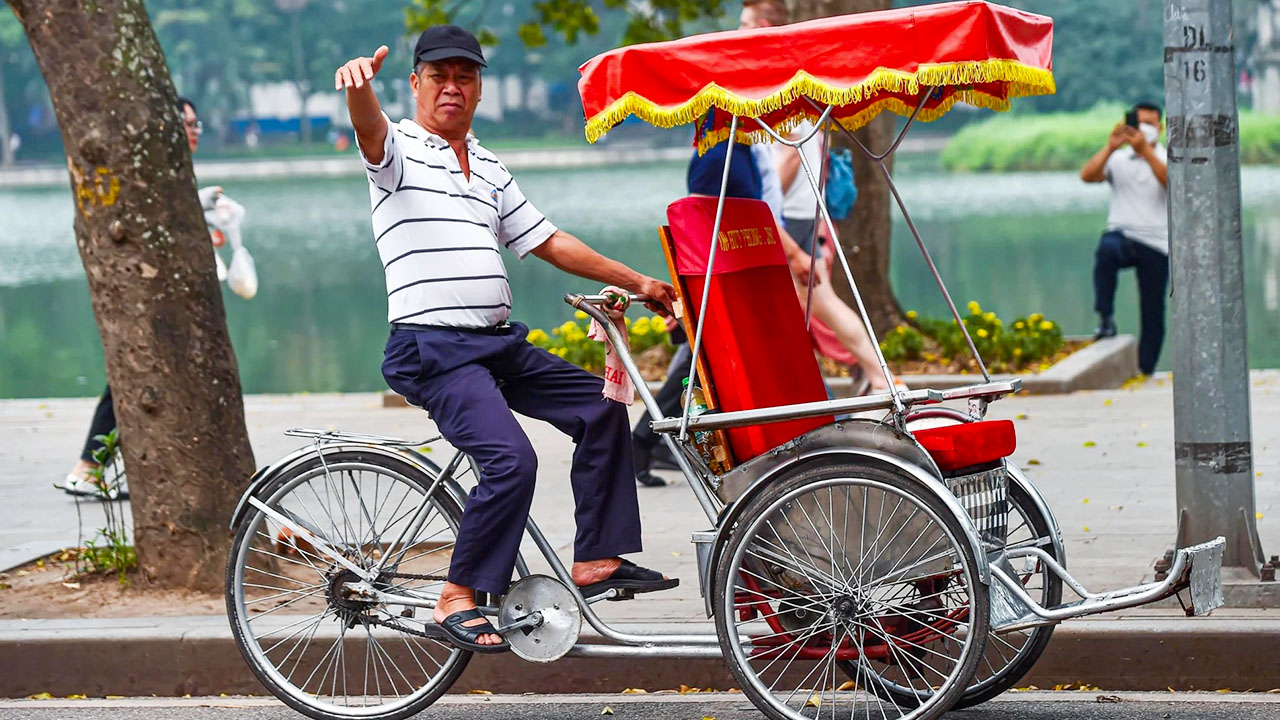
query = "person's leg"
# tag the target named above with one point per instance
(801, 231)
(845, 322)
(470, 412)
(1153, 281)
(643, 439)
(607, 509)
(104, 421)
(1114, 253)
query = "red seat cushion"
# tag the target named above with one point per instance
(755, 345)
(969, 444)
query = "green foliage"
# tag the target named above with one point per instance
(109, 549)
(1064, 141)
(570, 340)
(1028, 341)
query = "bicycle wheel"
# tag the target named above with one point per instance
(1009, 656)
(320, 652)
(852, 564)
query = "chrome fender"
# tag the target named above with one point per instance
(868, 441)
(271, 471)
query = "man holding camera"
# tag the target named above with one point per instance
(1134, 163)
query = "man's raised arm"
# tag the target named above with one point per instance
(362, 103)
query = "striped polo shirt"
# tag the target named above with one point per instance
(440, 236)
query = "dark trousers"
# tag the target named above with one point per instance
(1116, 252)
(471, 382)
(668, 396)
(104, 421)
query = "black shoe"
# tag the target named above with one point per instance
(1106, 328)
(648, 479)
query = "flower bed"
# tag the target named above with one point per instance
(925, 345)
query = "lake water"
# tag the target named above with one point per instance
(1015, 243)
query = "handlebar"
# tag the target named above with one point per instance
(576, 299)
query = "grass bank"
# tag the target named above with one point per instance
(1064, 141)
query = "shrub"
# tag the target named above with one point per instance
(1064, 141)
(570, 340)
(1027, 341)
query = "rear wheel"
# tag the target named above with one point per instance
(311, 644)
(849, 567)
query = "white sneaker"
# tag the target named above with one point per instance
(88, 487)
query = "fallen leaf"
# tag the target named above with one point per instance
(1021, 416)
(1033, 461)
(634, 691)
(40, 696)
(1086, 501)
(1142, 444)
(479, 692)
(74, 696)
(71, 585)
(675, 554)
(848, 685)
(814, 701)
(114, 697)
(1086, 528)
(1259, 515)
(1223, 690)
(1107, 402)
(607, 710)
(1090, 443)
(1115, 507)
(1108, 698)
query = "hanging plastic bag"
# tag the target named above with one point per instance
(241, 274)
(842, 190)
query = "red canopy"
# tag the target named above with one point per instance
(976, 52)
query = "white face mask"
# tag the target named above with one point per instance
(1150, 132)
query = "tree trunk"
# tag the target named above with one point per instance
(6, 149)
(146, 251)
(300, 78)
(866, 233)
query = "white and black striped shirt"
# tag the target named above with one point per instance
(440, 235)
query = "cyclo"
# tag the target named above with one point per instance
(896, 566)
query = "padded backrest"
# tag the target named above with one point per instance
(756, 351)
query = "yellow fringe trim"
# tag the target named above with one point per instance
(1023, 81)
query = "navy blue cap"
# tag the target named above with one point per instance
(447, 41)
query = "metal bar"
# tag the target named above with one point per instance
(902, 134)
(696, 481)
(781, 413)
(340, 436)
(310, 537)
(596, 650)
(706, 285)
(1213, 447)
(1055, 566)
(898, 406)
(915, 233)
(594, 620)
(419, 515)
(822, 119)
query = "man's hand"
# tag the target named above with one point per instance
(1119, 136)
(355, 73)
(1136, 140)
(661, 295)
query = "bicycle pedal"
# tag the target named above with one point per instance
(620, 594)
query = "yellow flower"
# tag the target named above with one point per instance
(982, 332)
(1019, 325)
(580, 315)
(911, 314)
(1035, 318)
(640, 326)
(1017, 352)
(537, 336)
(974, 308)
(989, 317)
(1046, 325)
(567, 326)
(999, 323)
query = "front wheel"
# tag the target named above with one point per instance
(315, 647)
(857, 568)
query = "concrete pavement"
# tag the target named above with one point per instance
(1104, 460)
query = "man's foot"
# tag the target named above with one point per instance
(662, 459)
(81, 482)
(1106, 327)
(598, 576)
(648, 479)
(456, 599)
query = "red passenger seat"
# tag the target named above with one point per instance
(755, 352)
(955, 447)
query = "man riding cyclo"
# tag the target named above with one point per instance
(443, 209)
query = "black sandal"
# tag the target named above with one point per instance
(465, 637)
(632, 578)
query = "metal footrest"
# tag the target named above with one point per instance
(1197, 568)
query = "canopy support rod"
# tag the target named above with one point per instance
(911, 225)
(706, 285)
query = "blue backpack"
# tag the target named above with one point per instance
(841, 192)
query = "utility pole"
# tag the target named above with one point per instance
(1213, 448)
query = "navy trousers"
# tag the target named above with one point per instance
(1115, 252)
(471, 382)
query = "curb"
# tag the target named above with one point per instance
(197, 656)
